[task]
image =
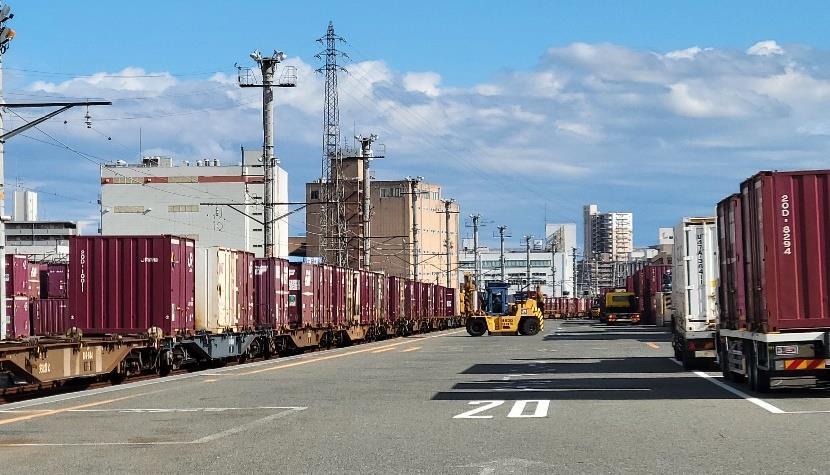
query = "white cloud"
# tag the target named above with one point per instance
(765, 48)
(568, 128)
(425, 83)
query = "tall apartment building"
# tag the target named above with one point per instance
(608, 236)
(216, 204)
(391, 226)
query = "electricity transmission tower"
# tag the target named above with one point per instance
(333, 232)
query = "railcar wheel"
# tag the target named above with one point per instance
(476, 327)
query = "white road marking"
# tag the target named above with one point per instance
(754, 400)
(203, 440)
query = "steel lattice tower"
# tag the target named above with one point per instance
(333, 239)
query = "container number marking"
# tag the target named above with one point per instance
(786, 230)
(43, 368)
(516, 412)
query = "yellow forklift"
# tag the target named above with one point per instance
(498, 317)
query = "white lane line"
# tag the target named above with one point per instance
(203, 440)
(754, 400)
(562, 390)
(246, 427)
(195, 374)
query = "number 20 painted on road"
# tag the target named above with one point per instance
(517, 411)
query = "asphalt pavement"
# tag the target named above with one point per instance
(579, 397)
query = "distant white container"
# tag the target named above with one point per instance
(222, 284)
(695, 288)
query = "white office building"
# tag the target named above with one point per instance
(217, 204)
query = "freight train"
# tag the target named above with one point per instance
(137, 305)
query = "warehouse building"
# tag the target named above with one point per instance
(392, 207)
(40, 241)
(217, 204)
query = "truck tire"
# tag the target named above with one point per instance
(529, 326)
(723, 361)
(476, 326)
(759, 379)
(689, 362)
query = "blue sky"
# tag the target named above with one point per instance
(516, 107)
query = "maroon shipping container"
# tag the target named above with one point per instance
(731, 290)
(786, 231)
(53, 280)
(395, 298)
(128, 284)
(450, 302)
(17, 311)
(303, 294)
(49, 316)
(33, 287)
(629, 283)
(17, 275)
(245, 296)
(270, 293)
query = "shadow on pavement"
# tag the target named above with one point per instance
(606, 389)
(642, 365)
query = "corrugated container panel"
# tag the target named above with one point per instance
(271, 293)
(33, 287)
(128, 284)
(786, 218)
(53, 281)
(395, 297)
(450, 303)
(49, 316)
(222, 289)
(732, 288)
(17, 275)
(245, 274)
(303, 281)
(17, 313)
(695, 274)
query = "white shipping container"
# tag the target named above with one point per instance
(216, 289)
(695, 275)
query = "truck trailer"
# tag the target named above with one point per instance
(694, 294)
(775, 302)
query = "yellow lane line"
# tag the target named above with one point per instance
(382, 350)
(414, 348)
(210, 380)
(65, 409)
(653, 345)
(341, 355)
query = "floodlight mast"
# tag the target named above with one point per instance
(268, 67)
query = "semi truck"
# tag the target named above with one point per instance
(774, 325)
(619, 306)
(694, 294)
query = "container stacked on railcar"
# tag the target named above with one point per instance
(131, 284)
(144, 304)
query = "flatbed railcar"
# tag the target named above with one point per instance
(295, 308)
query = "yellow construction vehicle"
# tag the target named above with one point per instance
(498, 317)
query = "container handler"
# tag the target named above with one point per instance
(498, 317)
(619, 306)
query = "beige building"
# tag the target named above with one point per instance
(391, 226)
